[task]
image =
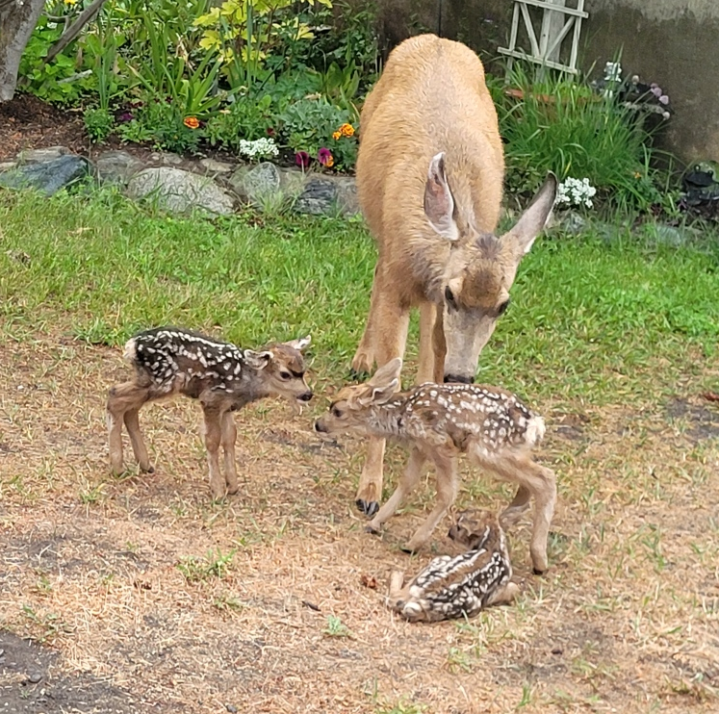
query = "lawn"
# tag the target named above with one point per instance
(146, 596)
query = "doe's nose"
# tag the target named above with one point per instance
(320, 427)
(462, 379)
(305, 397)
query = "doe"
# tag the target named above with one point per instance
(440, 421)
(223, 377)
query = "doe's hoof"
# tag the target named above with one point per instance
(371, 529)
(358, 375)
(369, 508)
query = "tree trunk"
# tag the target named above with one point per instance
(17, 21)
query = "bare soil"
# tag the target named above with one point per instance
(114, 596)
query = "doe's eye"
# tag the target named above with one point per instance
(285, 375)
(503, 307)
(449, 297)
(336, 412)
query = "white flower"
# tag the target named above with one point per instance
(259, 148)
(574, 192)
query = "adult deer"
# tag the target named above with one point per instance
(429, 177)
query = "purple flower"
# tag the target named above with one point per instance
(664, 99)
(324, 156)
(125, 116)
(656, 90)
(302, 159)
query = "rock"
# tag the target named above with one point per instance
(7, 165)
(116, 166)
(178, 191)
(167, 158)
(325, 194)
(216, 167)
(320, 196)
(260, 180)
(48, 177)
(41, 156)
(34, 678)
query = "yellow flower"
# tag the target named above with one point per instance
(337, 135)
(637, 175)
(70, 2)
(347, 130)
(191, 123)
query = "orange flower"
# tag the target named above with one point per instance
(191, 122)
(337, 135)
(330, 162)
(347, 130)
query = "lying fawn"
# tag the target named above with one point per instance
(170, 361)
(449, 587)
(440, 421)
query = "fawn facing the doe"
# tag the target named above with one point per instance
(440, 421)
(223, 377)
(451, 587)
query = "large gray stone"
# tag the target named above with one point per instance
(179, 191)
(41, 156)
(328, 194)
(48, 177)
(261, 180)
(116, 166)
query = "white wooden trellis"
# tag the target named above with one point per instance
(557, 21)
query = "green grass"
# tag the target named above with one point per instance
(590, 318)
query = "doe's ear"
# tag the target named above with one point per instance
(534, 218)
(438, 200)
(300, 344)
(258, 360)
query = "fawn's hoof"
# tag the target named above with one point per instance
(369, 528)
(369, 508)
(148, 469)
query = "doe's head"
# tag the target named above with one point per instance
(354, 403)
(480, 268)
(282, 369)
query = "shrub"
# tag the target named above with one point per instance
(563, 126)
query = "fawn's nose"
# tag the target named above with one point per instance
(305, 397)
(469, 379)
(320, 427)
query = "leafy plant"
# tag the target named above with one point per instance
(308, 125)
(214, 565)
(98, 123)
(247, 118)
(561, 125)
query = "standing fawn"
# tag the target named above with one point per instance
(449, 587)
(170, 361)
(440, 421)
(432, 203)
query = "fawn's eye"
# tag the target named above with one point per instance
(285, 375)
(503, 307)
(449, 297)
(336, 412)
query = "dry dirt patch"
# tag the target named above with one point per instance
(140, 594)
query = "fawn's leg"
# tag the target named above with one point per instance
(426, 369)
(513, 512)
(229, 438)
(447, 488)
(387, 330)
(213, 436)
(504, 595)
(408, 480)
(541, 484)
(123, 404)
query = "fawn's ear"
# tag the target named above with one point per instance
(383, 384)
(300, 344)
(258, 360)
